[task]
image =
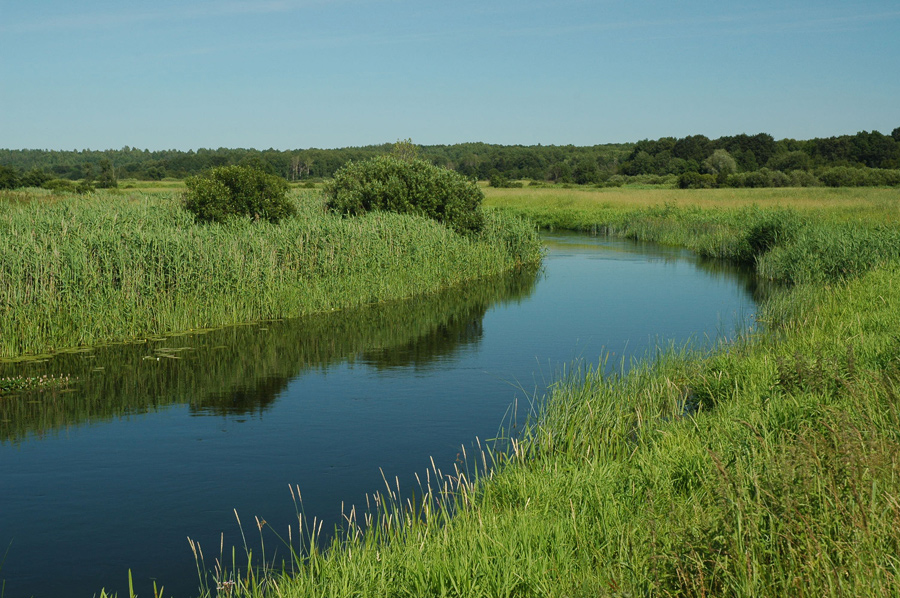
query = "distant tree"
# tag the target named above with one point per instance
(9, 177)
(586, 171)
(59, 186)
(896, 134)
(560, 172)
(35, 178)
(155, 173)
(258, 163)
(405, 150)
(692, 147)
(107, 177)
(787, 162)
(720, 162)
(695, 180)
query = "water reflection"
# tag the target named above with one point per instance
(243, 369)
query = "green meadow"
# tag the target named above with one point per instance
(769, 467)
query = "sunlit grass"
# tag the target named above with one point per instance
(848, 203)
(118, 265)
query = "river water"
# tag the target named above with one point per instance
(159, 441)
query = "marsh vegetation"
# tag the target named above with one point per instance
(769, 468)
(81, 271)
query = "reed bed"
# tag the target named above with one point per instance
(83, 271)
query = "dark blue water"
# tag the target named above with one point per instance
(161, 441)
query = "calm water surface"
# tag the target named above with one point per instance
(164, 440)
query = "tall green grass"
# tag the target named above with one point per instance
(82, 271)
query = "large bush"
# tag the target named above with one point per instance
(230, 191)
(409, 186)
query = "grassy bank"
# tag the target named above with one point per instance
(769, 468)
(81, 271)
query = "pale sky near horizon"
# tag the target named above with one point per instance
(290, 74)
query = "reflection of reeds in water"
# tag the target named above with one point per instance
(242, 369)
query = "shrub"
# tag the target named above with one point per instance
(84, 187)
(412, 186)
(59, 186)
(802, 178)
(235, 191)
(842, 176)
(500, 181)
(695, 180)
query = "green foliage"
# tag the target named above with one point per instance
(847, 176)
(9, 178)
(501, 182)
(59, 186)
(695, 180)
(35, 177)
(771, 228)
(720, 162)
(237, 191)
(406, 150)
(85, 186)
(789, 161)
(107, 178)
(387, 183)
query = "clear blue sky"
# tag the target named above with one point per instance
(294, 74)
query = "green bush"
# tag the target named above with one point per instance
(235, 191)
(413, 186)
(501, 182)
(695, 180)
(59, 186)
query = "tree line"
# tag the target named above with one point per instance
(695, 160)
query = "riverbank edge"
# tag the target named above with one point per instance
(767, 468)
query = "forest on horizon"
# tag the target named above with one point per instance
(692, 161)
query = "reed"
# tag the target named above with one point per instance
(116, 266)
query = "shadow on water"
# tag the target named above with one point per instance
(243, 369)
